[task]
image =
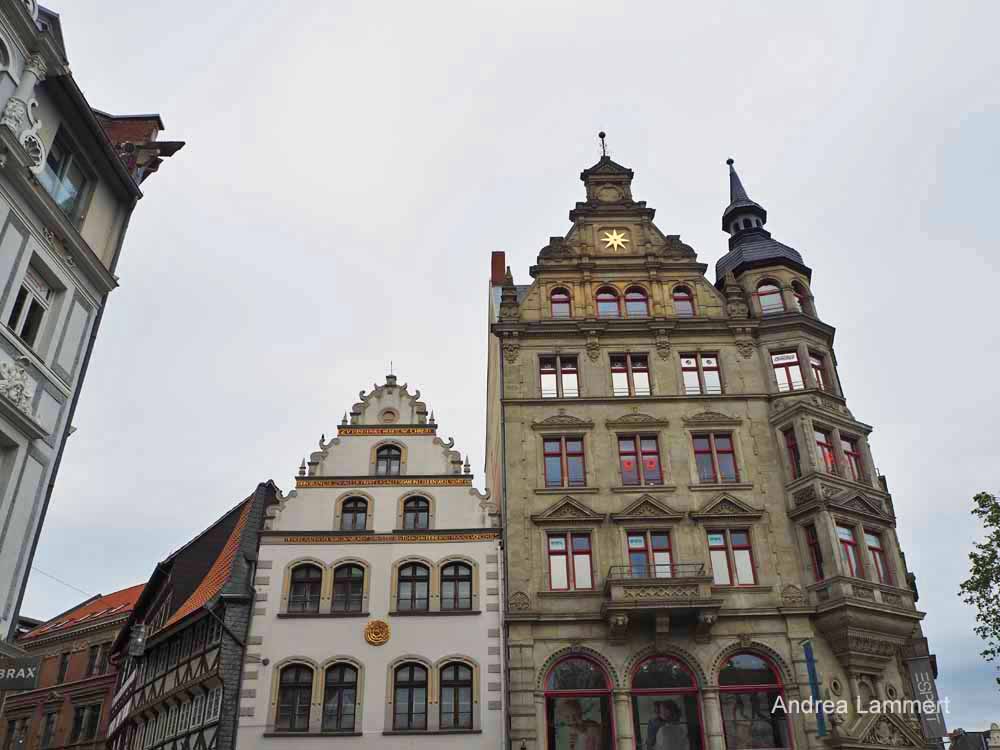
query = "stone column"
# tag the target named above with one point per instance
(15, 113)
(541, 739)
(623, 721)
(713, 719)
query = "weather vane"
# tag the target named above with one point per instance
(604, 146)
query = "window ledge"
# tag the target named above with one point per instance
(752, 588)
(720, 486)
(570, 593)
(645, 489)
(431, 731)
(312, 734)
(566, 490)
(318, 615)
(435, 613)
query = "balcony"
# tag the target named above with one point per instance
(678, 595)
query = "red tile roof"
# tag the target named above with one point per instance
(218, 574)
(118, 603)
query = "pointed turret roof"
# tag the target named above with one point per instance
(739, 201)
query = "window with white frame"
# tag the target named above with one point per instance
(65, 177)
(30, 307)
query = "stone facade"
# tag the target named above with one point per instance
(683, 487)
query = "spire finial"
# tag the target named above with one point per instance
(730, 161)
(604, 146)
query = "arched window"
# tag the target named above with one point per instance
(348, 588)
(683, 302)
(607, 303)
(340, 692)
(410, 697)
(294, 698)
(801, 295)
(387, 460)
(456, 696)
(749, 687)
(413, 587)
(354, 514)
(306, 583)
(560, 302)
(770, 299)
(456, 586)
(416, 513)
(636, 302)
(665, 705)
(578, 705)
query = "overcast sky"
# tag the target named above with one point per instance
(351, 165)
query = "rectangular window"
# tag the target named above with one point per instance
(715, 457)
(701, 374)
(49, 729)
(815, 553)
(64, 178)
(732, 558)
(649, 554)
(559, 377)
(30, 307)
(792, 450)
(85, 720)
(214, 704)
(630, 375)
(17, 734)
(564, 465)
(849, 551)
(787, 371)
(63, 667)
(874, 541)
(818, 365)
(93, 660)
(852, 455)
(639, 458)
(824, 446)
(570, 564)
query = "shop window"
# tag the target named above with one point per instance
(665, 710)
(752, 715)
(578, 706)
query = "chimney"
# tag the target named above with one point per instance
(498, 267)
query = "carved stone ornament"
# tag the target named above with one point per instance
(519, 601)
(593, 349)
(662, 591)
(562, 419)
(884, 732)
(663, 346)
(16, 386)
(32, 7)
(829, 491)
(863, 592)
(793, 596)
(745, 348)
(510, 351)
(805, 495)
(14, 115)
(893, 600)
(377, 632)
(711, 417)
(35, 65)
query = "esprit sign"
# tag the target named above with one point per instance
(19, 674)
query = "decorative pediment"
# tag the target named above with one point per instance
(711, 418)
(637, 419)
(568, 510)
(859, 504)
(887, 730)
(647, 508)
(562, 420)
(727, 506)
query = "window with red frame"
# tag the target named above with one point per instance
(815, 552)
(608, 303)
(683, 302)
(701, 374)
(578, 707)
(849, 551)
(874, 541)
(630, 375)
(558, 376)
(560, 302)
(564, 465)
(663, 685)
(770, 299)
(747, 680)
(824, 446)
(732, 557)
(792, 450)
(570, 565)
(639, 457)
(649, 554)
(818, 365)
(715, 457)
(787, 371)
(852, 455)
(636, 302)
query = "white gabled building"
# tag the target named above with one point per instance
(378, 594)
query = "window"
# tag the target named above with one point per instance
(416, 513)
(93, 658)
(558, 376)
(560, 301)
(683, 302)
(849, 551)
(456, 586)
(815, 552)
(387, 461)
(85, 720)
(30, 306)
(564, 573)
(824, 446)
(634, 450)
(801, 298)
(414, 586)
(700, 373)
(354, 514)
(852, 455)
(63, 666)
(564, 462)
(715, 457)
(17, 734)
(649, 554)
(874, 541)
(307, 580)
(752, 716)
(636, 302)
(665, 706)
(64, 177)
(578, 706)
(348, 588)
(792, 450)
(184, 718)
(49, 729)
(339, 698)
(198, 710)
(732, 557)
(294, 699)
(787, 371)
(607, 303)
(770, 299)
(410, 697)
(818, 365)
(630, 375)
(456, 696)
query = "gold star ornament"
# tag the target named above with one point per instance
(615, 240)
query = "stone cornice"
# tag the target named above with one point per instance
(74, 632)
(814, 403)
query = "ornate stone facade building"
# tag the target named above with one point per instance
(69, 181)
(377, 621)
(693, 523)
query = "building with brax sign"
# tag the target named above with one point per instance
(693, 524)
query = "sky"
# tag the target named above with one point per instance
(350, 166)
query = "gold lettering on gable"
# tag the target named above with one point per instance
(485, 536)
(381, 482)
(386, 431)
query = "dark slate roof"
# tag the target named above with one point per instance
(754, 247)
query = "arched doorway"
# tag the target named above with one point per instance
(578, 707)
(749, 687)
(666, 711)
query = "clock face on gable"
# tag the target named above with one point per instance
(614, 240)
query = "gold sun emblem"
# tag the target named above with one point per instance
(615, 240)
(377, 632)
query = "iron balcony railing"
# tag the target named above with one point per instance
(671, 570)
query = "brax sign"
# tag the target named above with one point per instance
(19, 674)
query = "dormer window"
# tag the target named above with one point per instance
(387, 461)
(770, 299)
(636, 302)
(683, 302)
(560, 302)
(608, 303)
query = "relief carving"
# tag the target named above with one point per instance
(519, 601)
(16, 386)
(665, 591)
